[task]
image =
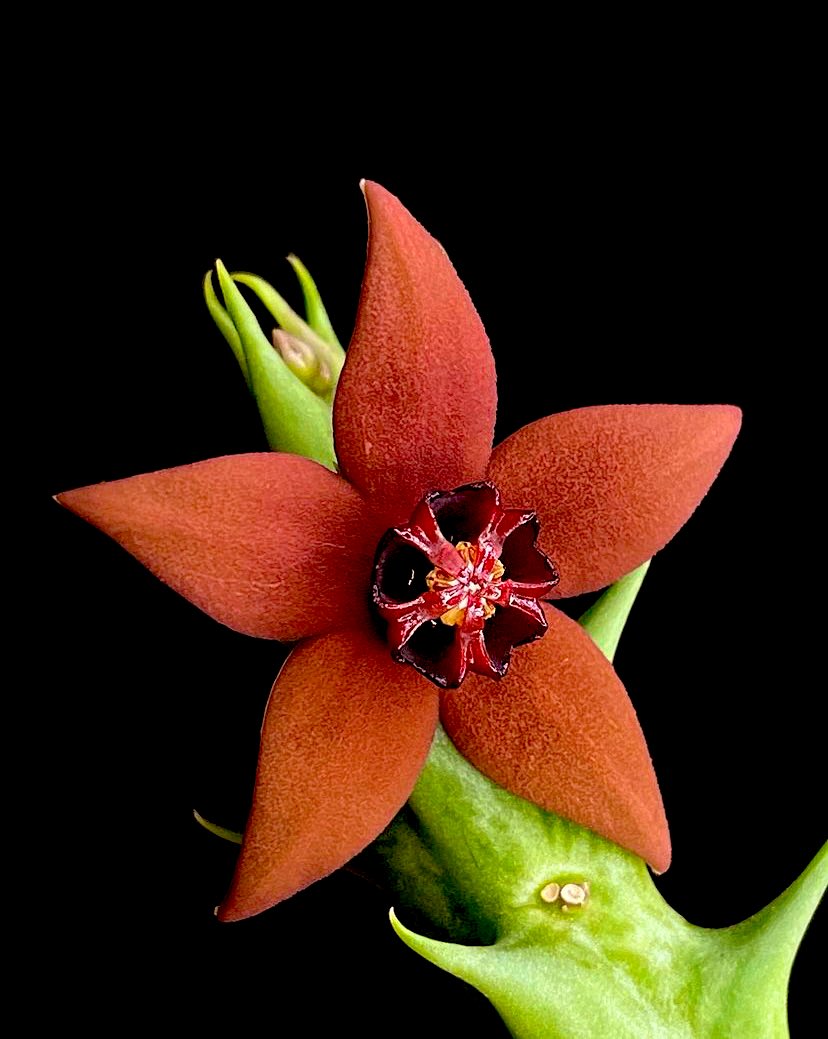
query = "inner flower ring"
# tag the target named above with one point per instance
(459, 586)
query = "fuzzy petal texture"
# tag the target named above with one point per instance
(345, 735)
(415, 406)
(612, 484)
(559, 730)
(272, 545)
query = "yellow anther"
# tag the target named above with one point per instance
(456, 615)
(438, 578)
(481, 590)
(468, 551)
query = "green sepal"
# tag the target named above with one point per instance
(287, 318)
(233, 836)
(225, 325)
(467, 862)
(317, 315)
(294, 418)
(604, 621)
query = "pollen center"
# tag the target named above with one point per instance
(458, 587)
(469, 597)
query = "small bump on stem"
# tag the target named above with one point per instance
(574, 894)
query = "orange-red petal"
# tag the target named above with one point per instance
(612, 484)
(344, 738)
(415, 406)
(560, 731)
(272, 545)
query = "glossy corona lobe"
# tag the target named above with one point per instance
(458, 587)
(280, 547)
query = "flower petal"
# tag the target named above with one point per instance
(415, 406)
(345, 735)
(560, 731)
(272, 545)
(611, 485)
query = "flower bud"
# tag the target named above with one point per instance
(303, 361)
(310, 349)
(296, 418)
(329, 355)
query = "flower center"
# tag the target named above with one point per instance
(470, 596)
(459, 587)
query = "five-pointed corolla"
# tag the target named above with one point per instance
(427, 549)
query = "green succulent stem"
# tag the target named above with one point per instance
(480, 880)
(467, 863)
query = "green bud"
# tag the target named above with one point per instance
(294, 417)
(308, 351)
(303, 361)
(328, 355)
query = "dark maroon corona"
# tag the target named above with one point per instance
(458, 587)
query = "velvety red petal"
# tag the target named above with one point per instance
(415, 406)
(345, 735)
(611, 485)
(560, 731)
(272, 545)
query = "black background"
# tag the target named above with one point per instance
(645, 250)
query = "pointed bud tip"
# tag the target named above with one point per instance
(298, 355)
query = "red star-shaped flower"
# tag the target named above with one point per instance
(432, 542)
